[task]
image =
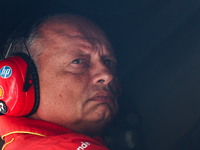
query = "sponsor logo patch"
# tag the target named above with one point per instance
(83, 146)
(1, 92)
(5, 72)
(3, 107)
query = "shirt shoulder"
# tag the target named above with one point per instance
(67, 142)
(71, 141)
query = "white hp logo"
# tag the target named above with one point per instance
(5, 72)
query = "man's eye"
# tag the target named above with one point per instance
(78, 61)
(110, 62)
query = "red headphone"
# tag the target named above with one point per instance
(19, 86)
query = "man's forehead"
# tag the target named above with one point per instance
(73, 30)
(62, 32)
(71, 24)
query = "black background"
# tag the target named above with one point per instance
(157, 43)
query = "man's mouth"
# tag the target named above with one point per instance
(103, 97)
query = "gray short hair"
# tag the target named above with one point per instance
(35, 40)
(19, 45)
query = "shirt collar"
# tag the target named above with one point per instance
(10, 124)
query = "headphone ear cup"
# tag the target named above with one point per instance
(34, 80)
(12, 79)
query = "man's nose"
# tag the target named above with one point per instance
(102, 74)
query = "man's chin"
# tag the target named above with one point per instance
(103, 114)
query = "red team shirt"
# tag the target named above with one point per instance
(22, 133)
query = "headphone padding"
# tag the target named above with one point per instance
(35, 80)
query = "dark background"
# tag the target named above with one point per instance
(157, 43)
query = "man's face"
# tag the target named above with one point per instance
(78, 84)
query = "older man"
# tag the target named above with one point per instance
(78, 88)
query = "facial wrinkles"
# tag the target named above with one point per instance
(85, 32)
(89, 33)
(95, 37)
(87, 43)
